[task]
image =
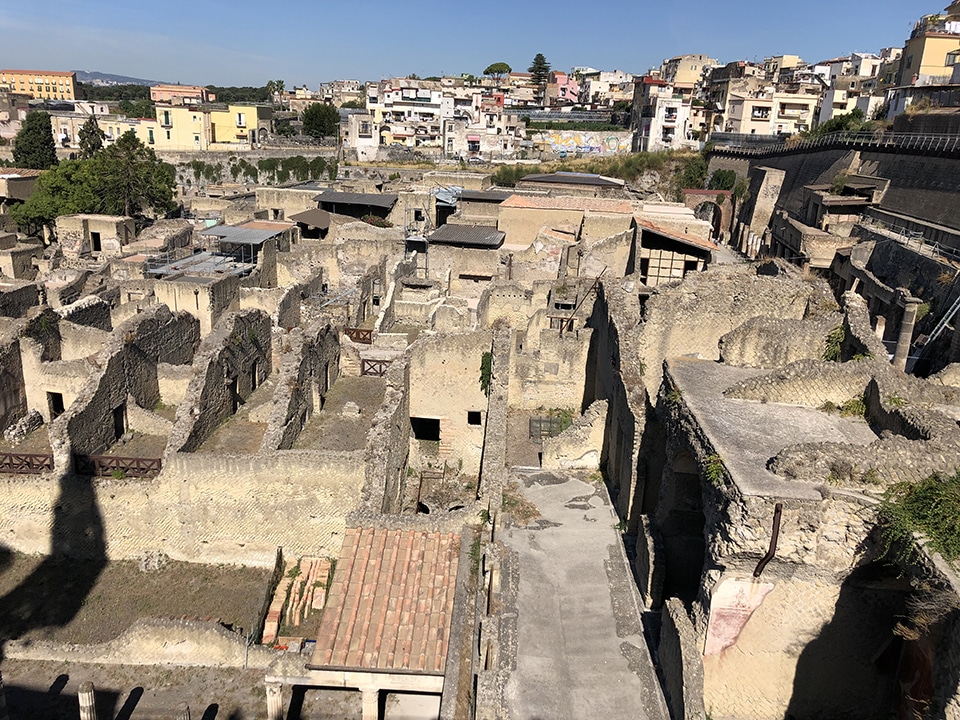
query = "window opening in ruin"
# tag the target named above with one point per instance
(119, 421)
(95, 241)
(473, 417)
(234, 396)
(689, 266)
(254, 369)
(475, 278)
(425, 428)
(418, 215)
(564, 306)
(55, 404)
(644, 269)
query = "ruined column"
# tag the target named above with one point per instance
(183, 711)
(370, 699)
(906, 332)
(274, 701)
(881, 327)
(4, 715)
(88, 709)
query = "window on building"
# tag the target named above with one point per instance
(150, 135)
(425, 428)
(168, 134)
(241, 120)
(474, 417)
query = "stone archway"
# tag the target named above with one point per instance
(722, 199)
(709, 211)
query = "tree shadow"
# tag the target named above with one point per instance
(53, 593)
(850, 669)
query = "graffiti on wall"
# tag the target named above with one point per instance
(571, 142)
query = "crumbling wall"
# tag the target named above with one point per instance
(773, 342)
(508, 300)
(91, 311)
(17, 297)
(611, 254)
(680, 663)
(552, 372)
(307, 371)
(13, 394)
(580, 445)
(237, 350)
(80, 341)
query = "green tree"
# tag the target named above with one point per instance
(320, 120)
(63, 190)
(722, 180)
(34, 147)
(91, 138)
(497, 70)
(138, 108)
(539, 69)
(852, 121)
(691, 174)
(354, 105)
(129, 179)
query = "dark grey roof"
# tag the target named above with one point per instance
(478, 236)
(485, 195)
(241, 235)
(573, 178)
(314, 218)
(382, 200)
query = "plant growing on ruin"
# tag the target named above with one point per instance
(930, 508)
(854, 407)
(923, 309)
(895, 400)
(564, 415)
(486, 373)
(834, 344)
(674, 396)
(714, 471)
(829, 407)
(118, 474)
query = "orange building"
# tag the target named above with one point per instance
(41, 84)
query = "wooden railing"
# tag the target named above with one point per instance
(375, 368)
(359, 335)
(109, 465)
(25, 463)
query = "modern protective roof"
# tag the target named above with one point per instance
(242, 235)
(391, 601)
(478, 236)
(574, 178)
(568, 202)
(347, 198)
(690, 240)
(485, 195)
(314, 218)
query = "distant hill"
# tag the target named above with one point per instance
(99, 78)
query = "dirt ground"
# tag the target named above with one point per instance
(521, 450)
(48, 691)
(329, 429)
(241, 433)
(122, 594)
(36, 443)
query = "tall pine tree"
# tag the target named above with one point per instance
(539, 69)
(91, 138)
(34, 147)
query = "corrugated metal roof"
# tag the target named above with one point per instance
(383, 200)
(241, 235)
(314, 218)
(479, 236)
(569, 202)
(391, 602)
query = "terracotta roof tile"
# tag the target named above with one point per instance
(569, 202)
(674, 235)
(390, 601)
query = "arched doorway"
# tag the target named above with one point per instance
(711, 213)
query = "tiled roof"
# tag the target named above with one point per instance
(21, 172)
(390, 603)
(673, 235)
(568, 202)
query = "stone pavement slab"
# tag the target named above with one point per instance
(580, 646)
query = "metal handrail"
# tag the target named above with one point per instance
(904, 141)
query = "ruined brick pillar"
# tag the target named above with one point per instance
(88, 709)
(274, 701)
(183, 711)
(4, 715)
(906, 332)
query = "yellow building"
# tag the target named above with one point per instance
(925, 54)
(41, 84)
(232, 127)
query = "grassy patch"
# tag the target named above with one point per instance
(522, 510)
(930, 508)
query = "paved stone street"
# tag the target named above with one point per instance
(580, 646)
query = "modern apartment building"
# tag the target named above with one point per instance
(40, 84)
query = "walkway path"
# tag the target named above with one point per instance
(580, 646)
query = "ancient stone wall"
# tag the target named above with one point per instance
(17, 297)
(307, 371)
(228, 360)
(551, 371)
(580, 445)
(772, 343)
(91, 311)
(680, 663)
(13, 396)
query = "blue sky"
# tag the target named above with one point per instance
(241, 42)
